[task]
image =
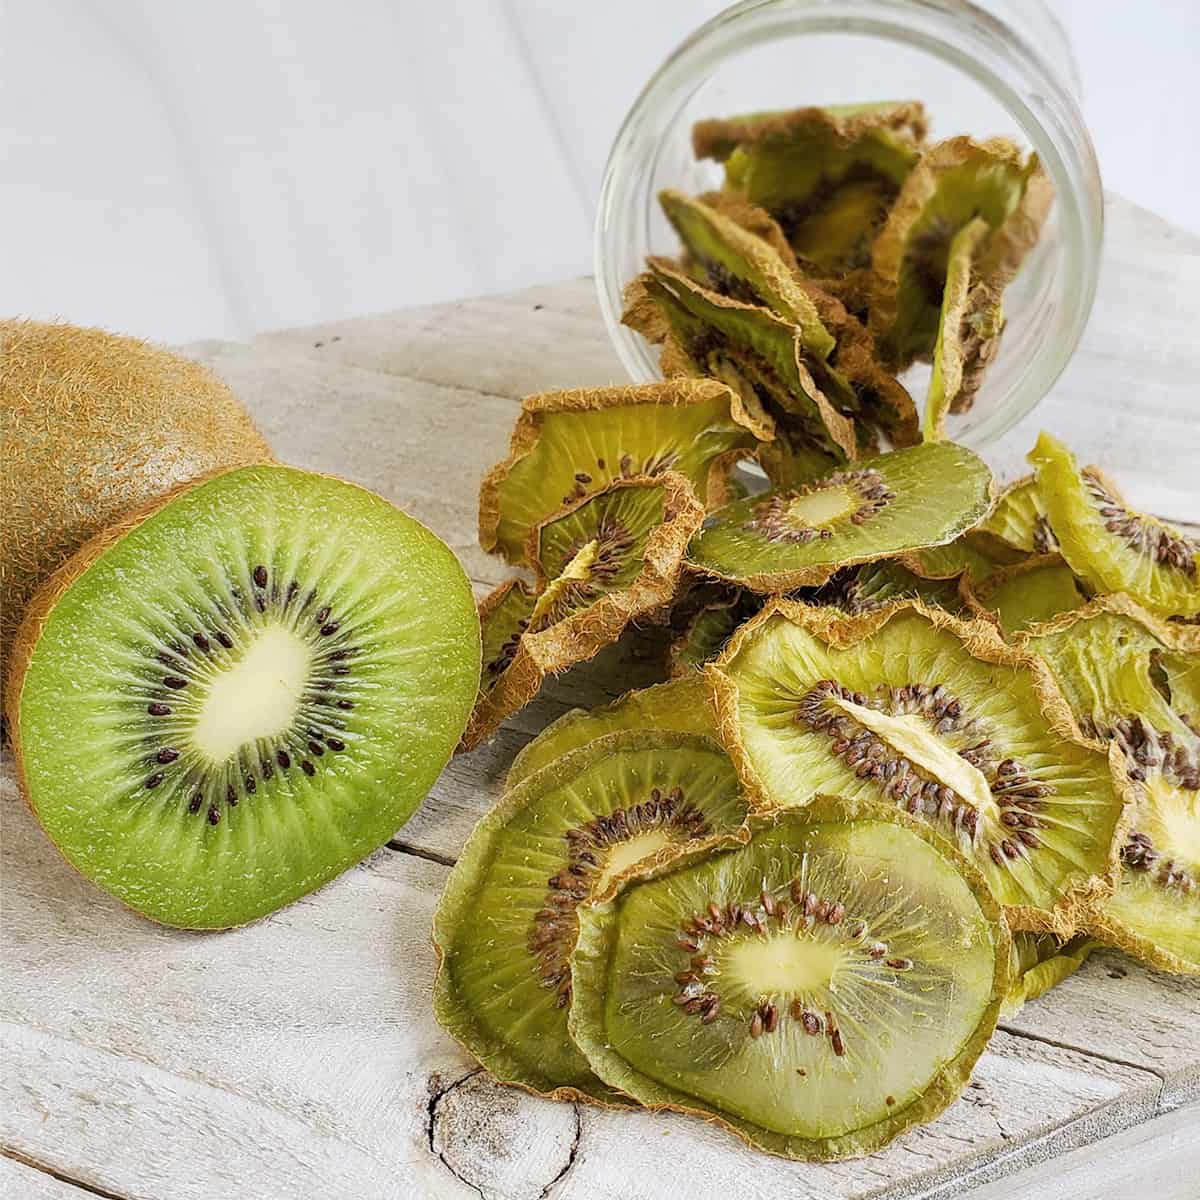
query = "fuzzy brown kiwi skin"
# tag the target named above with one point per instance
(38, 611)
(96, 426)
(1075, 910)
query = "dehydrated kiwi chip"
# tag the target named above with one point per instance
(818, 990)
(1041, 962)
(1029, 593)
(567, 444)
(1106, 658)
(1110, 546)
(1019, 519)
(955, 182)
(603, 561)
(507, 921)
(827, 175)
(880, 507)
(940, 718)
(872, 586)
(220, 706)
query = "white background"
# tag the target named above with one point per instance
(210, 168)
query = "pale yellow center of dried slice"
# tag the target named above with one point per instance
(578, 568)
(629, 853)
(783, 964)
(257, 697)
(824, 507)
(1171, 820)
(910, 736)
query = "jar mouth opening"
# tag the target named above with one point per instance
(962, 36)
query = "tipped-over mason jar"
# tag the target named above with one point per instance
(987, 69)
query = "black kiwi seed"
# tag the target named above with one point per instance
(260, 576)
(251, 784)
(196, 801)
(322, 615)
(214, 816)
(283, 758)
(224, 639)
(166, 755)
(308, 768)
(158, 710)
(154, 779)
(330, 627)
(174, 682)
(316, 748)
(231, 796)
(202, 642)
(335, 743)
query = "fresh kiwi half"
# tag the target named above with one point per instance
(568, 444)
(1106, 658)
(606, 560)
(875, 585)
(1041, 962)
(95, 427)
(879, 507)
(1019, 519)
(220, 704)
(1109, 545)
(968, 333)
(1029, 593)
(507, 920)
(939, 717)
(955, 182)
(826, 175)
(766, 349)
(818, 990)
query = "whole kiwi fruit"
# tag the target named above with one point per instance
(92, 427)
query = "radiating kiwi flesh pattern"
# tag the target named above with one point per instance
(223, 705)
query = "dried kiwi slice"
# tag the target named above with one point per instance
(507, 920)
(1110, 546)
(677, 706)
(955, 182)
(817, 991)
(975, 554)
(567, 444)
(1029, 593)
(798, 537)
(708, 631)
(735, 263)
(826, 175)
(1019, 519)
(1040, 962)
(875, 585)
(967, 335)
(941, 718)
(221, 704)
(766, 348)
(602, 562)
(1105, 659)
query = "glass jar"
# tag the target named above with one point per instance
(989, 68)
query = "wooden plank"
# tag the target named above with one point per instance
(18, 1181)
(299, 1056)
(1165, 1150)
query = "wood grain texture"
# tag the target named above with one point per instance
(19, 1181)
(298, 1057)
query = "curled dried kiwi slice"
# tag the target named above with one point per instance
(678, 706)
(1029, 593)
(940, 718)
(798, 537)
(1105, 659)
(507, 921)
(955, 182)
(818, 990)
(872, 586)
(601, 562)
(1110, 546)
(968, 333)
(738, 264)
(1019, 519)
(826, 175)
(567, 444)
(1040, 962)
(767, 349)
(708, 631)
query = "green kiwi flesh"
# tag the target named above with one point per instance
(878, 508)
(818, 990)
(1030, 593)
(940, 718)
(1110, 546)
(244, 694)
(507, 920)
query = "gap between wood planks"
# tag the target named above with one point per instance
(62, 1177)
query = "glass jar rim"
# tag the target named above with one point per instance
(960, 33)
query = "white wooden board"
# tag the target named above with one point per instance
(299, 1057)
